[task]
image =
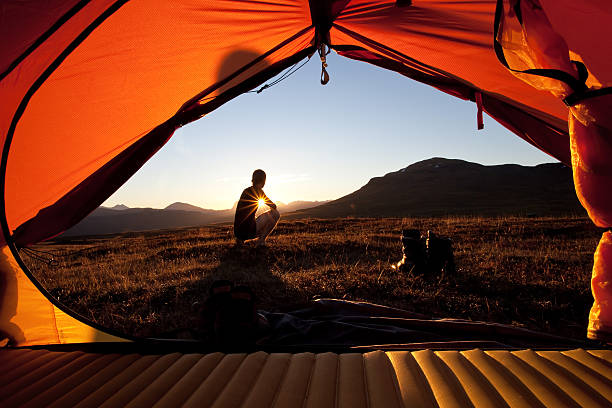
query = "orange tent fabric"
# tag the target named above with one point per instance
(542, 57)
(102, 99)
(85, 101)
(92, 89)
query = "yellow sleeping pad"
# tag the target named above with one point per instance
(525, 378)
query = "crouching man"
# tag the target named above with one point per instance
(246, 226)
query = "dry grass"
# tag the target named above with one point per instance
(532, 272)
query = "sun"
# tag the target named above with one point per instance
(261, 202)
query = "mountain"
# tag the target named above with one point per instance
(119, 207)
(434, 187)
(109, 220)
(186, 207)
(441, 186)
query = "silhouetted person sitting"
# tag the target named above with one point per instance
(246, 226)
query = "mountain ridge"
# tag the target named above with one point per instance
(120, 218)
(180, 206)
(432, 187)
(440, 186)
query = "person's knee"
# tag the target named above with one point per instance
(275, 214)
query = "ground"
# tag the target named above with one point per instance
(529, 272)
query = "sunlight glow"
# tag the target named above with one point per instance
(261, 202)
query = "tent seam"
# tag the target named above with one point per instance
(57, 334)
(44, 36)
(4, 162)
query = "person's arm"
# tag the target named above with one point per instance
(269, 202)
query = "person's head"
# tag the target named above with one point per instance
(259, 178)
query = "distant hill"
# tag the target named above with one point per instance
(434, 187)
(187, 207)
(109, 221)
(440, 186)
(120, 218)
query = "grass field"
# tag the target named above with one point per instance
(530, 272)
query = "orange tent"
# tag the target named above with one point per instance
(92, 89)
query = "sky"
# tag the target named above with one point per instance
(318, 142)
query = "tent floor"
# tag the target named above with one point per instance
(493, 378)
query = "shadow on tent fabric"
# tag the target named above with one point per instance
(233, 64)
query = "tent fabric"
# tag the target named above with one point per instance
(453, 41)
(156, 66)
(92, 89)
(544, 135)
(535, 52)
(487, 378)
(165, 55)
(21, 38)
(27, 317)
(101, 99)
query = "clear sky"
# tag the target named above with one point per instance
(318, 142)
